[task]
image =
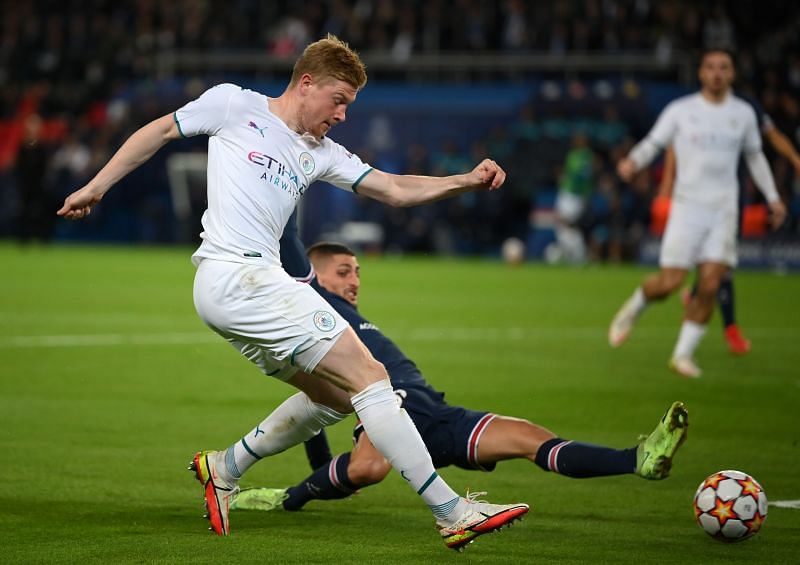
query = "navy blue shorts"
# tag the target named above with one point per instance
(451, 433)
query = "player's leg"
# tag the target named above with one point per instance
(680, 247)
(308, 412)
(220, 471)
(318, 450)
(344, 475)
(273, 321)
(654, 288)
(737, 343)
(512, 438)
(394, 435)
(695, 324)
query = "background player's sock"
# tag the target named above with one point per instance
(688, 339)
(328, 482)
(638, 301)
(582, 460)
(725, 301)
(393, 434)
(273, 435)
(318, 451)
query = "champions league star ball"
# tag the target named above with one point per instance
(730, 506)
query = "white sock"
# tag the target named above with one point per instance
(293, 422)
(638, 300)
(689, 338)
(393, 434)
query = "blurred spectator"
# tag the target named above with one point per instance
(574, 190)
(36, 219)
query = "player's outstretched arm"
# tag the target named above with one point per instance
(783, 145)
(410, 190)
(138, 148)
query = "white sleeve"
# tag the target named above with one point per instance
(207, 113)
(345, 170)
(762, 175)
(658, 139)
(752, 137)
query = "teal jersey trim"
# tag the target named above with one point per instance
(177, 123)
(355, 184)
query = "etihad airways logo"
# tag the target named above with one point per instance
(278, 174)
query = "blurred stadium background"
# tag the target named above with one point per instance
(450, 83)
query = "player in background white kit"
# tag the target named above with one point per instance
(263, 154)
(708, 130)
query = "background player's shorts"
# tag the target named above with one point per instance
(279, 324)
(451, 433)
(698, 234)
(570, 206)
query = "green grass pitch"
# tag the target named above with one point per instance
(109, 383)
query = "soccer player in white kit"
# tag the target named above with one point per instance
(263, 154)
(709, 130)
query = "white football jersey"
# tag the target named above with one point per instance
(258, 169)
(708, 140)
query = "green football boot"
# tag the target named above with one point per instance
(264, 499)
(654, 455)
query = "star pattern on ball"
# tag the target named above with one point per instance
(714, 481)
(755, 524)
(749, 486)
(723, 511)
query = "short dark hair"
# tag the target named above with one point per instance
(328, 248)
(717, 49)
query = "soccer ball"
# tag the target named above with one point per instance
(513, 251)
(730, 506)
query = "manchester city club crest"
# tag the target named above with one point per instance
(307, 163)
(324, 321)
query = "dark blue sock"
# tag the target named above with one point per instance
(725, 300)
(582, 460)
(318, 451)
(326, 483)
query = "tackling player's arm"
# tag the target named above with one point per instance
(136, 150)
(410, 190)
(781, 143)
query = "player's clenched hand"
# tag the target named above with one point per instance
(487, 174)
(79, 203)
(777, 214)
(626, 168)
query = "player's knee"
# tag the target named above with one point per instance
(707, 288)
(672, 281)
(367, 372)
(368, 471)
(533, 439)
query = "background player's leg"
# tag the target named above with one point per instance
(698, 313)
(655, 287)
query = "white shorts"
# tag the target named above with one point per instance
(696, 234)
(279, 324)
(570, 206)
